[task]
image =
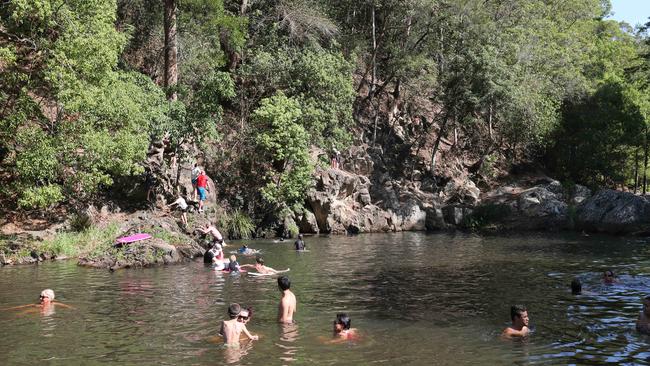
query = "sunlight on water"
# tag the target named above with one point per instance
(417, 299)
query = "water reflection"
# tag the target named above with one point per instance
(288, 336)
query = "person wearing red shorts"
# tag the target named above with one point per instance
(203, 186)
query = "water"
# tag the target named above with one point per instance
(417, 299)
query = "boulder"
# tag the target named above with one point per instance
(614, 212)
(542, 201)
(435, 219)
(463, 191)
(579, 194)
(455, 214)
(306, 221)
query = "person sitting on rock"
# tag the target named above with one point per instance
(643, 323)
(519, 327)
(232, 329)
(217, 238)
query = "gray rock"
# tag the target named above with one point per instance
(542, 202)
(435, 220)
(455, 214)
(580, 193)
(614, 212)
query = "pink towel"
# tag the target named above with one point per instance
(133, 238)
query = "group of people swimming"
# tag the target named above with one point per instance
(519, 313)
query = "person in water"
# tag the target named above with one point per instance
(288, 304)
(643, 323)
(576, 287)
(260, 267)
(213, 255)
(245, 250)
(608, 277)
(233, 266)
(46, 304)
(300, 244)
(519, 327)
(342, 327)
(232, 329)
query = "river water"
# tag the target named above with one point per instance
(417, 299)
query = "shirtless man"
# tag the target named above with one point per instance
(260, 267)
(216, 235)
(232, 329)
(519, 327)
(45, 304)
(342, 328)
(288, 301)
(643, 323)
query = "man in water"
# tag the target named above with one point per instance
(288, 301)
(260, 267)
(643, 323)
(342, 328)
(45, 304)
(608, 277)
(576, 287)
(232, 329)
(519, 327)
(300, 244)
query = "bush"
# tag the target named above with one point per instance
(486, 214)
(41, 197)
(239, 225)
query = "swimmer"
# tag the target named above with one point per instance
(233, 266)
(260, 267)
(300, 244)
(232, 329)
(46, 304)
(608, 277)
(576, 287)
(213, 255)
(519, 327)
(288, 304)
(245, 250)
(342, 327)
(643, 323)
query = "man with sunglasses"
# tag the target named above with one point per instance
(232, 329)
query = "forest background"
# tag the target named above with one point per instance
(266, 90)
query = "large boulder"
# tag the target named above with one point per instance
(542, 201)
(614, 212)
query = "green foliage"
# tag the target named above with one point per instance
(42, 197)
(73, 244)
(238, 225)
(283, 142)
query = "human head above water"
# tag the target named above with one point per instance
(234, 310)
(608, 276)
(576, 287)
(47, 295)
(300, 236)
(284, 283)
(343, 320)
(518, 312)
(646, 305)
(259, 260)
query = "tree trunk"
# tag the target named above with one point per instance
(645, 159)
(374, 53)
(636, 170)
(437, 144)
(171, 49)
(244, 7)
(490, 123)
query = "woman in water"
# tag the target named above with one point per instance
(342, 328)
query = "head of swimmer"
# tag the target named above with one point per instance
(245, 315)
(576, 287)
(342, 322)
(259, 260)
(234, 310)
(608, 276)
(46, 297)
(284, 283)
(519, 316)
(646, 305)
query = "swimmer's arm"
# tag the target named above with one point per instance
(221, 330)
(509, 332)
(247, 266)
(248, 334)
(20, 307)
(63, 305)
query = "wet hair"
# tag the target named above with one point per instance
(259, 260)
(647, 298)
(49, 293)
(284, 283)
(234, 310)
(576, 286)
(609, 273)
(516, 311)
(344, 320)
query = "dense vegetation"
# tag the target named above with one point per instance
(86, 85)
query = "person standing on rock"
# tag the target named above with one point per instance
(182, 206)
(203, 186)
(196, 171)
